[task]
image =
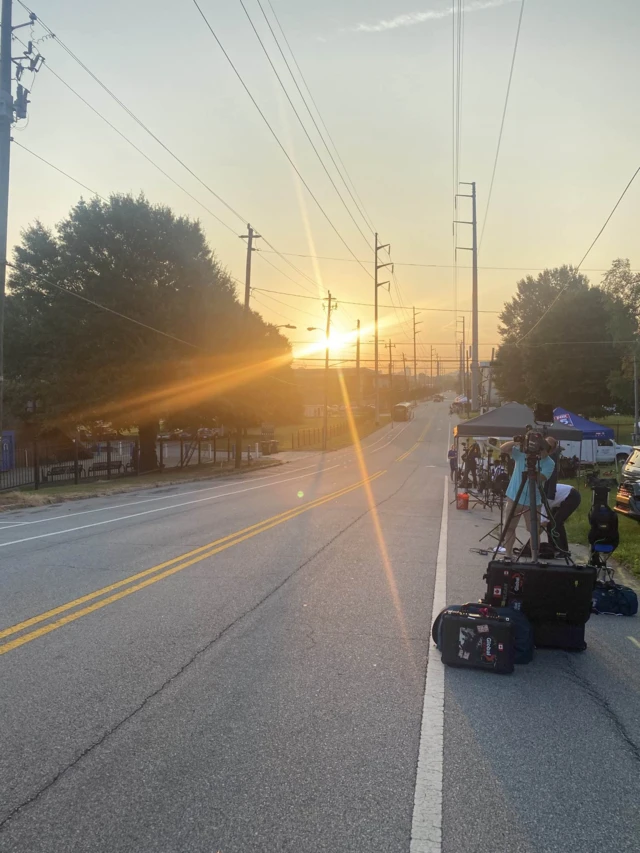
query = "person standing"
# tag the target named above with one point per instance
(515, 511)
(452, 456)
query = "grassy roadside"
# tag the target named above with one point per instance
(622, 425)
(99, 488)
(627, 553)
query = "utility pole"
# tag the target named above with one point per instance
(358, 377)
(10, 108)
(6, 119)
(490, 379)
(390, 347)
(475, 367)
(431, 367)
(376, 285)
(415, 359)
(635, 392)
(325, 428)
(404, 370)
(250, 236)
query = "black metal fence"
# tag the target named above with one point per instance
(313, 436)
(41, 464)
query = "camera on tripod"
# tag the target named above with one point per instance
(534, 441)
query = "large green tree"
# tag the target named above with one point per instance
(563, 342)
(192, 352)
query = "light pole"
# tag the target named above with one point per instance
(286, 326)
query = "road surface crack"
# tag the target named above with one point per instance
(194, 657)
(592, 691)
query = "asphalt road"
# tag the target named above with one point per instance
(240, 666)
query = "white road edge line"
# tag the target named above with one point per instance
(150, 511)
(426, 825)
(273, 477)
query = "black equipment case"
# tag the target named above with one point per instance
(559, 635)
(554, 592)
(481, 640)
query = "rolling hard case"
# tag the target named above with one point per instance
(476, 636)
(559, 635)
(552, 593)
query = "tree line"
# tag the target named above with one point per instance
(123, 314)
(569, 342)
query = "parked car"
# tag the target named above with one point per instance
(628, 497)
(609, 452)
(438, 398)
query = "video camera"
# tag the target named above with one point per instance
(534, 441)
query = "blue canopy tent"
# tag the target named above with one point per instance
(590, 430)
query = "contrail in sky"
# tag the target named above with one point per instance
(413, 18)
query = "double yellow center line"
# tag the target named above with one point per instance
(116, 591)
(415, 446)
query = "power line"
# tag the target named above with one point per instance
(133, 115)
(141, 152)
(429, 266)
(275, 135)
(48, 281)
(504, 115)
(297, 115)
(368, 304)
(360, 205)
(62, 172)
(595, 240)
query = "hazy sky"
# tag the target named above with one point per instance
(381, 74)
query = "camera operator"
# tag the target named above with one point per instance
(544, 466)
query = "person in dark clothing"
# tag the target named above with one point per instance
(452, 456)
(473, 454)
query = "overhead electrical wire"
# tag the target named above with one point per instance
(275, 135)
(48, 281)
(359, 203)
(368, 304)
(584, 257)
(295, 111)
(57, 169)
(141, 152)
(311, 116)
(504, 115)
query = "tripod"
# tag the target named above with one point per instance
(530, 476)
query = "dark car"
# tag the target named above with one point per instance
(628, 497)
(437, 398)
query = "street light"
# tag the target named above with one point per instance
(286, 326)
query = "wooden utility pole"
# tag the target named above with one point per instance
(376, 285)
(6, 118)
(325, 427)
(250, 236)
(358, 376)
(415, 360)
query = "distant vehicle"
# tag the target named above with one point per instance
(628, 497)
(438, 398)
(402, 412)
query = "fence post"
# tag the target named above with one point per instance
(108, 460)
(228, 446)
(215, 448)
(76, 473)
(36, 467)
(182, 452)
(161, 455)
(199, 451)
